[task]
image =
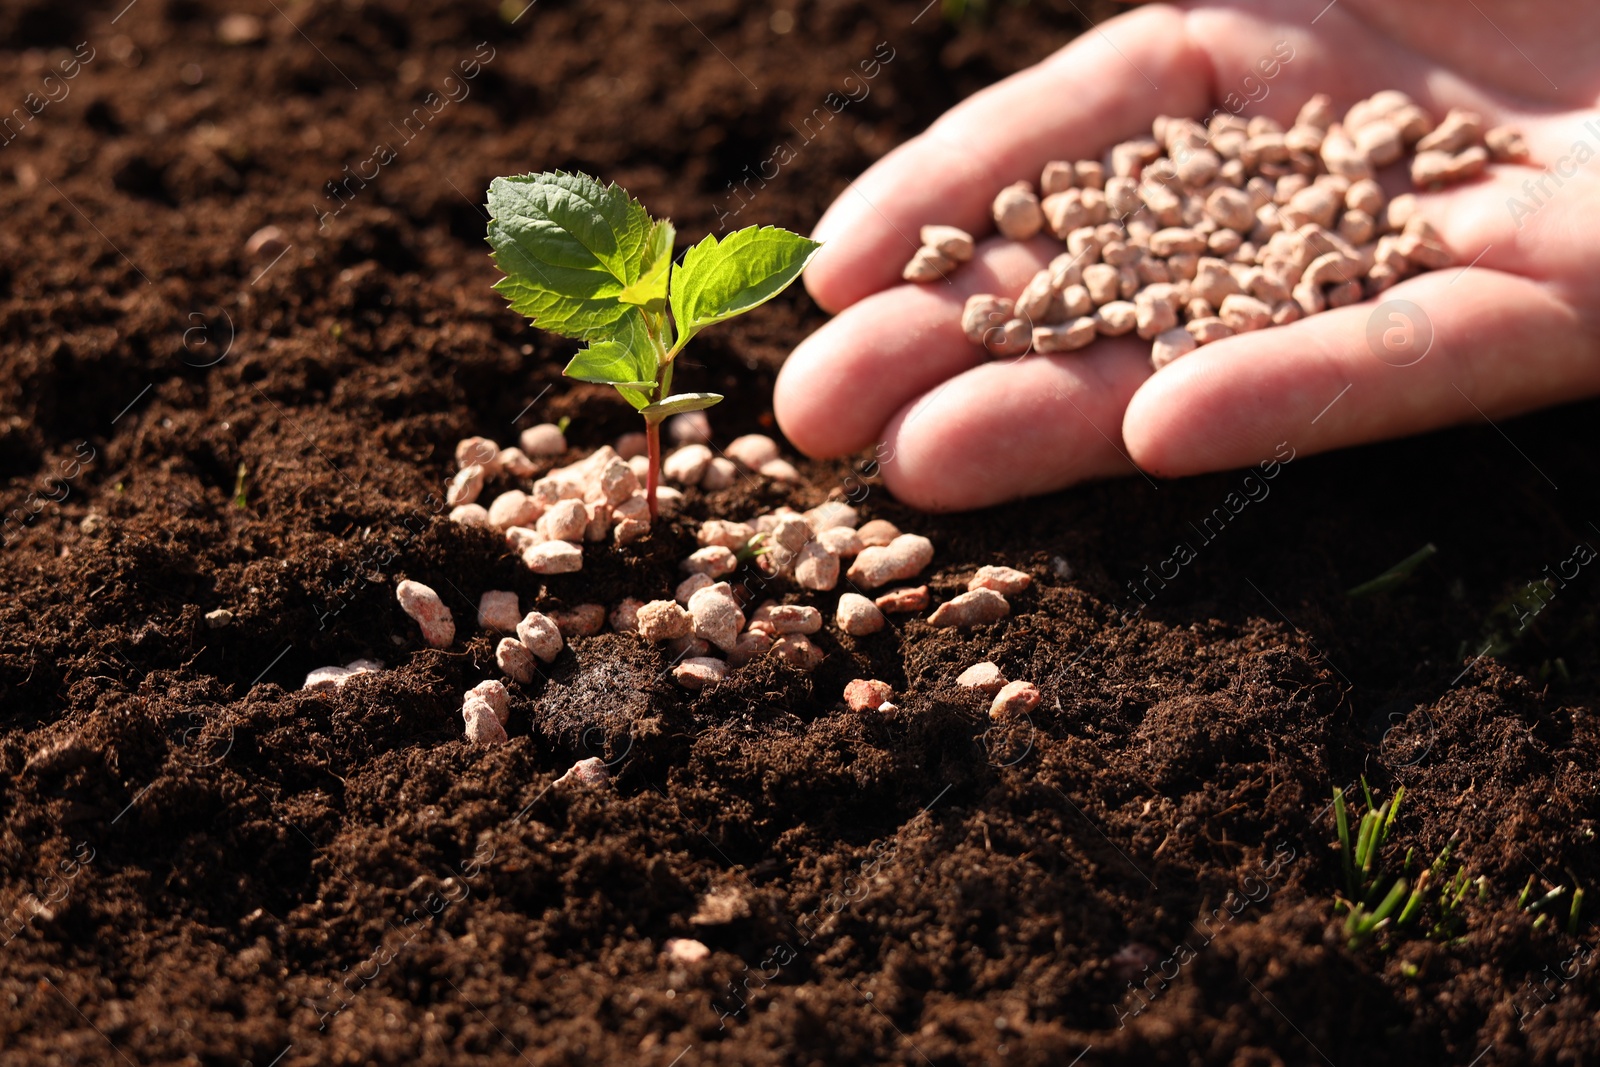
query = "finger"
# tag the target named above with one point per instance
(1529, 220)
(844, 382)
(1005, 430)
(1440, 349)
(1104, 87)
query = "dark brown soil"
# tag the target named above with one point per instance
(201, 864)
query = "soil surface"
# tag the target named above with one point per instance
(202, 864)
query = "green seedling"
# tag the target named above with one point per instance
(1374, 892)
(1396, 575)
(1370, 903)
(585, 261)
(238, 486)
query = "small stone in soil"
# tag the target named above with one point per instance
(687, 465)
(668, 499)
(686, 647)
(713, 560)
(512, 508)
(514, 660)
(780, 470)
(816, 568)
(625, 616)
(716, 615)
(867, 694)
(699, 671)
(566, 520)
(721, 906)
(219, 619)
(858, 616)
(335, 677)
(483, 726)
(730, 535)
(877, 533)
(752, 645)
(754, 450)
(797, 651)
(690, 586)
(720, 474)
(973, 608)
(238, 29)
(598, 528)
(1006, 580)
(586, 772)
(688, 428)
(554, 557)
(1013, 699)
(684, 951)
(494, 694)
(515, 462)
(778, 619)
(465, 486)
(841, 541)
(984, 677)
(545, 439)
(664, 620)
(585, 620)
(903, 601)
(480, 451)
(618, 482)
(830, 515)
(266, 243)
(541, 636)
(628, 531)
(470, 515)
(423, 604)
(904, 557)
(498, 610)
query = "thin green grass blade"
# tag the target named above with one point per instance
(1391, 900)
(1342, 817)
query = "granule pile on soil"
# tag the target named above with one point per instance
(220, 455)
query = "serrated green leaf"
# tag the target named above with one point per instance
(720, 279)
(569, 247)
(650, 291)
(677, 405)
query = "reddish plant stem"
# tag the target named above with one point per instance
(652, 439)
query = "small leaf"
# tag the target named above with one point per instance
(640, 399)
(628, 361)
(569, 247)
(677, 405)
(650, 291)
(718, 280)
(607, 363)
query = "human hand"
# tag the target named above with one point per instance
(1516, 327)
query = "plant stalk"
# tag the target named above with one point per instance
(652, 436)
(652, 440)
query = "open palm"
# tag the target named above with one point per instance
(1514, 328)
